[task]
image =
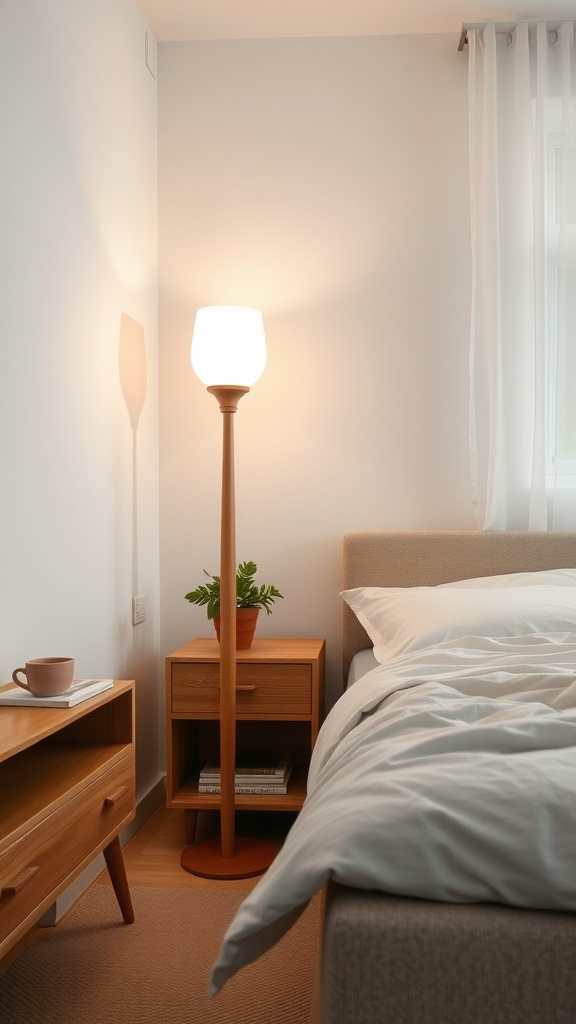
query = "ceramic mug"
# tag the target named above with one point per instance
(46, 677)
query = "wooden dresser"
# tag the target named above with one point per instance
(66, 790)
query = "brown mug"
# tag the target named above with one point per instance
(46, 677)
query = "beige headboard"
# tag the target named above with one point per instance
(398, 559)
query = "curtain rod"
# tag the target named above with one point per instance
(506, 27)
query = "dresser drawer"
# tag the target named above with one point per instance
(261, 689)
(39, 861)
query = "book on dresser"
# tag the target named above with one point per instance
(259, 772)
(80, 690)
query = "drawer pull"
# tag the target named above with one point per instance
(115, 796)
(243, 686)
(19, 882)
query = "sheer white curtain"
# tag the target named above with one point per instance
(522, 109)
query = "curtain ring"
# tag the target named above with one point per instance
(554, 37)
(510, 39)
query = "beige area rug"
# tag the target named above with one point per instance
(93, 969)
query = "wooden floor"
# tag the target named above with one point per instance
(152, 857)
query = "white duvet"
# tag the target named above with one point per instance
(445, 774)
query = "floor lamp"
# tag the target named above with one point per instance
(228, 354)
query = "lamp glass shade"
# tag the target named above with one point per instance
(228, 345)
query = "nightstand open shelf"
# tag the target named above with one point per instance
(290, 801)
(279, 701)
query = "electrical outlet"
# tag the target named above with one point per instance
(138, 609)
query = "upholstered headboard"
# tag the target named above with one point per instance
(401, 559)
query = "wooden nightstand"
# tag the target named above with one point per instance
(278, 707)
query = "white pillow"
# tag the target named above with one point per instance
(411, 618)
(545, 577)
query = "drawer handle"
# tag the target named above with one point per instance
(115, 796)
(243, 686)
(19, 882)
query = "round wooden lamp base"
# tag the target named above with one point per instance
(251, 857)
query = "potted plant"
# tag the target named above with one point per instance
(250, 598)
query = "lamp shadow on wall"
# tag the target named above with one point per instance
(132, 368)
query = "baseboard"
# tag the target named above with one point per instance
(146, 806)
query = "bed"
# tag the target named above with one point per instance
(440, 820)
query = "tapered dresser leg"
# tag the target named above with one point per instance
(117, 871)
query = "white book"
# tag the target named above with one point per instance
(205, 787)
(81, 689)
(260, 785)
(250, 766)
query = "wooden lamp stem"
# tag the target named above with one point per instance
(234, 858)
(228, 399)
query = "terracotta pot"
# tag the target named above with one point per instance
(246, 619)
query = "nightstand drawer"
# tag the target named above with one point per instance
(41, 859)
(262, 689)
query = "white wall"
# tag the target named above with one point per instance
(326, 182)
(78, 245)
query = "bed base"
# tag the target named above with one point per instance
(391, 960)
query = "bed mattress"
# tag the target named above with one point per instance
(362, 662)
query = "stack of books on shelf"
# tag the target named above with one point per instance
(256, 772)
